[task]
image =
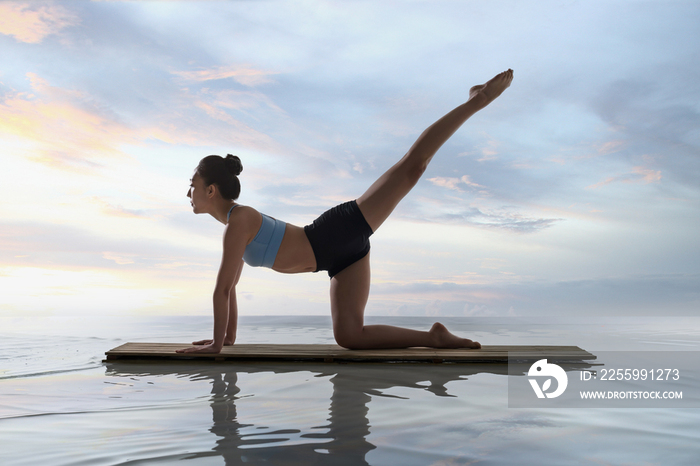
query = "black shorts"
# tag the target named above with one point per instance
(339, 237)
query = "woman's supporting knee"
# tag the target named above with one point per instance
(349, 339)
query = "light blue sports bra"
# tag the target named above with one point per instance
(262, 251)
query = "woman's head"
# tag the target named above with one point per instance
(222, 172)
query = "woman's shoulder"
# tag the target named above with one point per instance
(244, 218)
(241, 213)
(240, 208)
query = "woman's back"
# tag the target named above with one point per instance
(294, 254)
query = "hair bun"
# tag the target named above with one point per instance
(233, 164)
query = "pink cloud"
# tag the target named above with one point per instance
(638, 175)
(119, 258)
(117, 210)
(31, 23)
(242, 74)
(454, 183)
(610, 147)
(66, 130)
(648, 176)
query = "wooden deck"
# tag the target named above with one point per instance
(334, 353)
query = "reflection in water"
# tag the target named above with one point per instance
(345, 438)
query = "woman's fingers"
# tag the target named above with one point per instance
(199, 349)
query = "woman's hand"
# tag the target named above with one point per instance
(203, 342)
(206, 348)
(227, 342)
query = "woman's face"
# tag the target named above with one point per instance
(198, 194)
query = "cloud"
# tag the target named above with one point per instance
(650, 295)
(610, 146)
(510, 221)
(121, 259)
(637, 175)
(119, 211)
(655, 121)
(42, 291)
(648, 175)
(140, 88)
(454, 183)
(221, 119)
(67, 247)
(71, 130)
(452, 211)
(32, 23)
(480, 310)
(662, 295)
(242, 74)
(67, 127)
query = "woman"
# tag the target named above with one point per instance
(337, 241)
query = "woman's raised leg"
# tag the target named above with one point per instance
(382, 197)
(350, 287)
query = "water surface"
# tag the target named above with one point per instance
(61, 405)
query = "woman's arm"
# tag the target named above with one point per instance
(224, 298)
(230, 338)
(232, 325)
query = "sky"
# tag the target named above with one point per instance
(576, 193)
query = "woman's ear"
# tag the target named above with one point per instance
(211, 190)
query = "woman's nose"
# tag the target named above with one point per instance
(189, 193)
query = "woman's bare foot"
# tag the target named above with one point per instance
(484, 94)
(442, 338)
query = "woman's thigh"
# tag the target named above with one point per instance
(349, 293)
(382, 197)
